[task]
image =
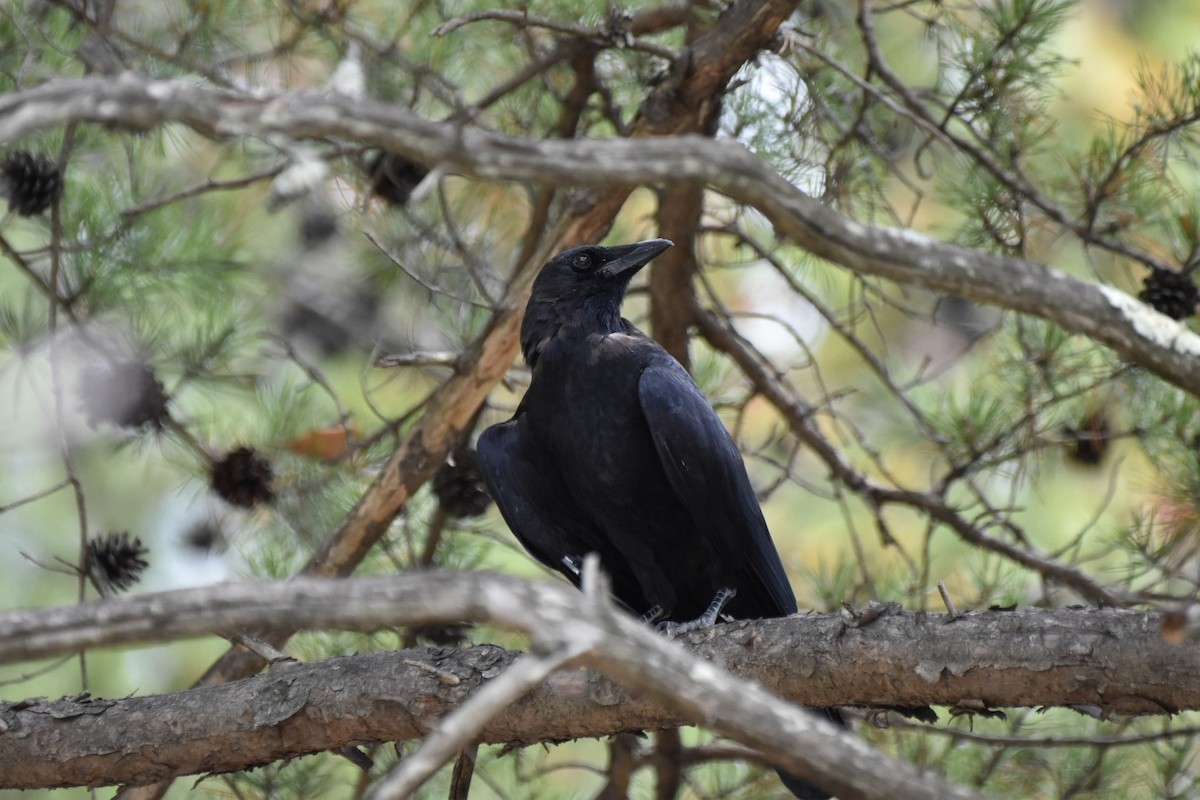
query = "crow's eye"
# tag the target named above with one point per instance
(581, 263)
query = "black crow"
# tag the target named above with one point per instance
(614, 450)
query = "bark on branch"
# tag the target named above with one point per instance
(1115, 660)
(1107, 315)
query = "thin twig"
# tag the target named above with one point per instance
(941, 586)
(36, 496)
(464, 770)
(611, 36)
(438, 358)
(264, 650)
(207, 186)
(37, 673)
(459, 728)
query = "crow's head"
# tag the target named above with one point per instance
(583, 286)
(594, 271)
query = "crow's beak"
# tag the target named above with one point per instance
(632, 257)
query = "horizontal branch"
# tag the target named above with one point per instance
(1115, 660)
(1107, 315)
(555, 616)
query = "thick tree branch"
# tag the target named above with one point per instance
(1114, 660)
(678, 218)
(898, 659)
(1107, 315)
(672, 295)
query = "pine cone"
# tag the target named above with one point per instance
(317, 226)
(443, 635)
(1088, 444)
(1171, 293)
(243, 478)
(393, 177)
(459, 485)
(205, 536)
(115, 563)
(127, 394)
(32, 183)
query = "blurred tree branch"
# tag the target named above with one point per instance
(1113, 661)
(1107, 315)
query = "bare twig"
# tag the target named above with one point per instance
(35, 496)
(614, 36)
(941, 587)
(464, 769)
(459, 728)
(264, 650)
(441, 358)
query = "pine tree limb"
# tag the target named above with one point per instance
(1107, 315)
(1113, 660)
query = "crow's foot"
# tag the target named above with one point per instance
(702, 622)
(654, 613)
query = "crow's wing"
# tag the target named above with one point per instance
(538, 507)
(707, 473)
(529, 497)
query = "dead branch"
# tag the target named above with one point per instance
(990, 659)
(1103, 313)
(1114, 660)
